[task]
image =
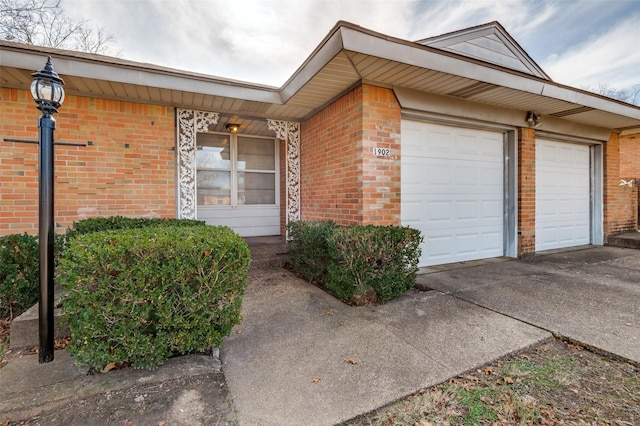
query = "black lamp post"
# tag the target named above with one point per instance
(48, 93)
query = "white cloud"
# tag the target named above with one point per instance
(611, 58)
(264, 41)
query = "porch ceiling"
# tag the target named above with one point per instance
(347, 56)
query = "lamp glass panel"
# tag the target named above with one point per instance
(34, 90)
(58, 94)
(45, 91)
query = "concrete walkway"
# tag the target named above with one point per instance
(302, 357)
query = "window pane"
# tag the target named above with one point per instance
(256, 154)
(214, 188)
(256, 188)
(213, 151)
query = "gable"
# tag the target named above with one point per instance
(489, 43)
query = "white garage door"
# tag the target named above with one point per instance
(562, 195)
(452, 191)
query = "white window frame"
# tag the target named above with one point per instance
(233, 144)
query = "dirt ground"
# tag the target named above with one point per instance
(199, 400)
(555, 383)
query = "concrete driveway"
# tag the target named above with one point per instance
(589, 295)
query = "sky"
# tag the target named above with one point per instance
(580, 43)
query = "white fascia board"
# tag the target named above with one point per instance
(422, 57)
(585, 99)
(455, 108)
(316, 61)
(161, 79)
(404, 53)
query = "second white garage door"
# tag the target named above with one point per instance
(563, 193)
(453, 191)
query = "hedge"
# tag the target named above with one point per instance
(110, 223)
(139, 296)
(19, 263)
(354, 261)
(19, 272)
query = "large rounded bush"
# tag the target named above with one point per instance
(139, 296)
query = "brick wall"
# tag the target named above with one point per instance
(630, 164)
(630, 156)
(104, 179)
(341, 179)
(620, 202)
(381, 175)
(526, 192)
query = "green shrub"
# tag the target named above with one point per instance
(354, 261)
(19, 272)
(307, 248)
(96, 224)
(382, 258)
(139, 296)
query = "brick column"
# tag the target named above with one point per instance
(526, 192)
(380, 175)
(620, 202)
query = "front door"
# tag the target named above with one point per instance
(237, 182)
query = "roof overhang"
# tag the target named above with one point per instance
(347, 56)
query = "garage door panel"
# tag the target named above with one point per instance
(413, 208)
(467, 244)
(492, 179)
(467, 145)
(464, 246)
(440, 212)
(466, 176)
(490, 151)
(492, 212)
(467, 211)
(458, 174)
(437, 144)
(437, 175)
(424, 176)
(563, 195)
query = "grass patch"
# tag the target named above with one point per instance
(556, 383)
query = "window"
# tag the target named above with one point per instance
(235, 170)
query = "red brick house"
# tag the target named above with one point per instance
(462, 136)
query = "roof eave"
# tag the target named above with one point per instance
(127, 72)
(370, 43)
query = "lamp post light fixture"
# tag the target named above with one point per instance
(48, 94)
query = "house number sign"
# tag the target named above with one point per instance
(382, 152)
